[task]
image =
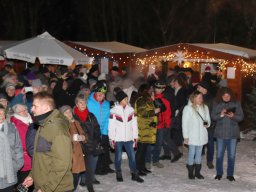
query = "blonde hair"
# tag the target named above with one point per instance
(46, 97)
(193, 96)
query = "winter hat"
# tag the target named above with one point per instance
(120, 96)
(159, 84)
(36, 83)
(9, 86)
(3, 96)
(204, 84)
(207, 69)
(115, 68)
(100, 86)
(64, 108)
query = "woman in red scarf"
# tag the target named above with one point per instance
(91, 127)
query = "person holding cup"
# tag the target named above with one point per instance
(78, 137)
(195, 121)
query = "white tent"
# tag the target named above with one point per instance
(47, 49)
(112, 47)
(231, 49)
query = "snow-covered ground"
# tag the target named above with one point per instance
(173, 177)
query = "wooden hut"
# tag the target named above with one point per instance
(237, 63)
(107, 54)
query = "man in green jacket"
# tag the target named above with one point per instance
(52, 157)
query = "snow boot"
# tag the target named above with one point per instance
(210, 165)
(218, 177)
(231, 178)
(191, 171)
(119, 176)
(90, 188)
(136, 177)
(197, 172)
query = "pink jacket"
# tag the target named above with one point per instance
(22, 129)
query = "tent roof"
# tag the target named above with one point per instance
(231, 49)
(112, 47)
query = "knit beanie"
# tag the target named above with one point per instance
(120, 96)
(64, 108)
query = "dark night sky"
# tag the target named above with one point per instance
(145, 23)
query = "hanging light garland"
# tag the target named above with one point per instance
(194, 59)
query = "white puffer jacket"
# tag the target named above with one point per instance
(123, 124)
(192, 124)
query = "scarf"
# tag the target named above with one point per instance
(40, 119)
(6, 163)
(27, 120)
(82, 115)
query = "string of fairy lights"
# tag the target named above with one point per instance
(182, 57)
(187, 59)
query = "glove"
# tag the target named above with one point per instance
(135, 143)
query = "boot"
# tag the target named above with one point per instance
(82, 181)
(230, 178)
(197, 172)
(176, 157)
(90, 188)
(218, 177)
(119, 176)
(136, 177)
(210, 165)
(165, 157)
(191, 171)
(142, 173)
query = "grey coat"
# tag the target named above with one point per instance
(16, 152)
(227, 128)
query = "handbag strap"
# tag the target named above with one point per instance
(200, 116)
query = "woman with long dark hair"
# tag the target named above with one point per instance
(144, 107)
(227, 113)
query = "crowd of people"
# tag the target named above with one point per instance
(58, 126)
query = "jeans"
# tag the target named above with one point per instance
(128, 145)
(210, 147)
(76, 177)
(163, 138)
(222, 144)
(194, 154)
(90, 164)
(141, 156)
